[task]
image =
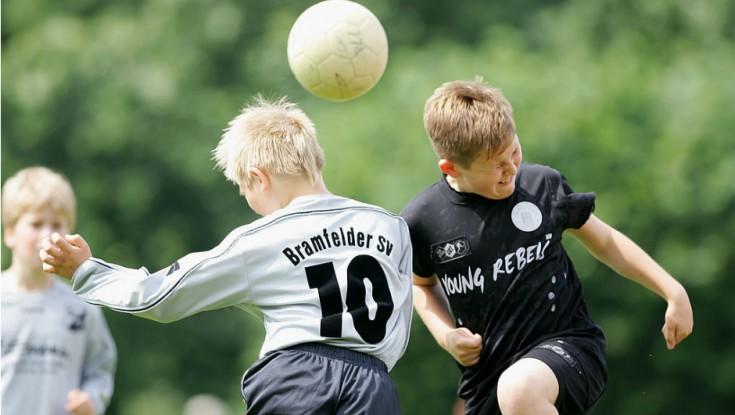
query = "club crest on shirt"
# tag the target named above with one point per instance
(75, 319)
(526, 216)
(444, 252)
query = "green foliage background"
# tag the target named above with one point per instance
(633, 100)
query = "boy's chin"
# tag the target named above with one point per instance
(504, 191)
(32, 266)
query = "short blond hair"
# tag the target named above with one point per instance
(464, 118)
(35, 188)
(276, 136)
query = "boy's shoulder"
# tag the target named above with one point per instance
(327, 203)
(369, 206)
(535, 170)
(62, 290)
(7, 281)
(538, 177)
(306, 206)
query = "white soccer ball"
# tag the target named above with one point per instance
(337, 50)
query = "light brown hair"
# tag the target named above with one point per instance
(35, 188)
(466, 118)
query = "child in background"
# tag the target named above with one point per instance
(57, 353)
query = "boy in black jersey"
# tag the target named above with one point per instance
(489, 232)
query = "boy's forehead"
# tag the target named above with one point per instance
(511, 145)
(45, 212)
(499, 154)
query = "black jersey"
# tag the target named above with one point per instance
(503, 267)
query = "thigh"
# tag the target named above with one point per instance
(527, 386)
(580, 378)
(289, 382)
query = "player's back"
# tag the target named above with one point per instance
(323, 269)
(331, 270)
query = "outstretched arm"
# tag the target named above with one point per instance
(432, 307)
(627, 259)
(197, 282)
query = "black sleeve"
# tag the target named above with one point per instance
(572, 209)
(422, 265)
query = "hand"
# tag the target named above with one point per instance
(79, 403)
(464, 346)
(679, 320)
(63, 255)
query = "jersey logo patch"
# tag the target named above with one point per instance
(444, 252)
(76, 319)
(526, 216)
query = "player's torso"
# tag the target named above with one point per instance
(499, 261)
(335, 279)
(43, 339)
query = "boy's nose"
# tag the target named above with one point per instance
(46, 232)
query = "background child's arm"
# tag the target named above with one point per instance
(626, 258)
(100, 361)
(432, 307)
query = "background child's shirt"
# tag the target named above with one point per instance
(52, 342)
(323, 269)
(502, 266)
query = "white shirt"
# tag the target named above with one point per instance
(52, 342)
(323, 269)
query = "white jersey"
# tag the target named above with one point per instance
(52, 342)
(323, 269)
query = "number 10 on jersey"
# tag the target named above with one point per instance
(324, 278)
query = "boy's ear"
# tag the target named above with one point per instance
(262, 179)
(9, 237)
(447, 167)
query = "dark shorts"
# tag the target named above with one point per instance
(581, 376)
(315, 378)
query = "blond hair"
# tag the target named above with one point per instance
(275, 136)
(36, 188)
(464, 118)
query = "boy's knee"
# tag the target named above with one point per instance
(527, 387)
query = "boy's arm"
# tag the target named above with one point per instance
(98, 372)
(626, 258)
(431, 305)
(197, 282)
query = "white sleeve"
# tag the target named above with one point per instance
(98, 370)
(197, 282)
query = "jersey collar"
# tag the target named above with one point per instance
(461, 198)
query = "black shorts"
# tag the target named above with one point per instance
(581, 377)
(315, 378)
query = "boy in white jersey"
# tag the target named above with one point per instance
(331, 276)
(57, 354)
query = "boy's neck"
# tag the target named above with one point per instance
(30, 279)
(455, 184)
(302, 188)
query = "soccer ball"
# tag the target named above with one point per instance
(337, 50)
